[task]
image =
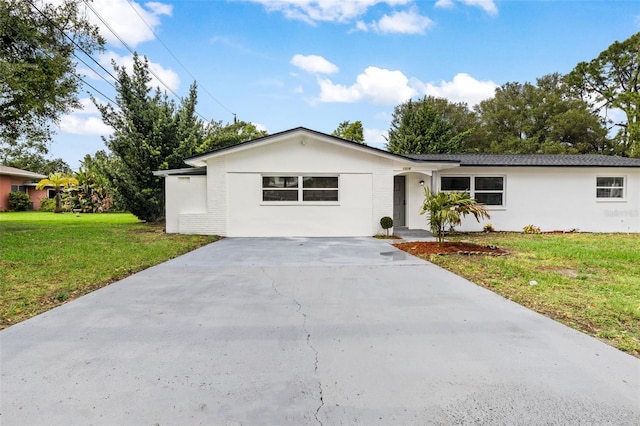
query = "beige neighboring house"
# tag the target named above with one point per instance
(305, 183)
(18, 180)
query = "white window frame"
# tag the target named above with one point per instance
(300, 190)
(472, 190)
(623, 198)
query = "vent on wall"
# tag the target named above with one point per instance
(184, 179)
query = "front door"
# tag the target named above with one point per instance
(399, 201)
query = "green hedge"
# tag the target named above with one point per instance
(19, 202)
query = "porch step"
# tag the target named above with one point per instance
(402, 231)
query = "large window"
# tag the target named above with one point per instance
(487, 190)
(610, 187)
(300, 188)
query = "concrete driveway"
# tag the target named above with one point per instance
(298, 331)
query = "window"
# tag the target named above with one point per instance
(280, 188)
(610, 187)
(488, 190)
(18, 188)
(300, 188)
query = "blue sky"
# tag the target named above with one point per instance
(287, 63)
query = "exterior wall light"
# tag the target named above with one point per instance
(421, 183)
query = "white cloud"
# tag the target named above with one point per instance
(168, 76)
(376, 85)
(463, 88)
(314, 64)
(312, 11)
(88, 126)
(409, 22)
(375, 137)
(488, 6)
(125, 21)
(86, 121)
(386, 87)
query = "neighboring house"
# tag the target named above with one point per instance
(304, 183)
(17, 180)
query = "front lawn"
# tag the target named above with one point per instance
(47, 259)
(590, 282)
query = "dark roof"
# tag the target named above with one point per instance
(531, 160)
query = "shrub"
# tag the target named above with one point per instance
(488, 228)
(531, 229)
(386, 223)
(19, 202)
(47, 205)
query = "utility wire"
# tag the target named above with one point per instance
(78, 76)
(177, 60)
(133, 53)
(71, 40)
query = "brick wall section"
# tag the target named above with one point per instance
(194, 223)
(217, 195)
(382, 193)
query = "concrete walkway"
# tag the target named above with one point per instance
(304, 332)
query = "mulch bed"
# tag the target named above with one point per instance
(425, 248)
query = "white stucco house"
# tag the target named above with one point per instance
(304, 183)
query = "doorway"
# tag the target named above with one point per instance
(399, 201)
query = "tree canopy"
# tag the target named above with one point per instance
(38, 80)
(540, 119)
(419, 128)
(350, 131)
(151, 133)
(612, 81)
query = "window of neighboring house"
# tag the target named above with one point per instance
(300, 188)
(488, 190)
(18, 188)
(610, 187)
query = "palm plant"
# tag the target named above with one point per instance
(59, 182)
(446, 209)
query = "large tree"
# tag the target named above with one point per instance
(612, 81)
(151, 133)
(218, 135)
(417, 127)
(545, 118)
(38, 81)
(350, 131)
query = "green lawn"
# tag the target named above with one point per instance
(590, 282)
(47, 259)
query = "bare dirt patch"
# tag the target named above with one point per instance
(426, 248)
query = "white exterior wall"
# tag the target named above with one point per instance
(415, 199)
(234, 205)
(184, 195)
(559, 198)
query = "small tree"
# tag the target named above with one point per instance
(59, 182)
(448, 208)
(386, 223)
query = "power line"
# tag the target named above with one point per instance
(133, 53)
(78, 76)
(71, 40)
(176, 59)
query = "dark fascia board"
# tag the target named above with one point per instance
(356, 145)
(189, 171)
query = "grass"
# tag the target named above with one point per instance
(590, 282)
(47, 259)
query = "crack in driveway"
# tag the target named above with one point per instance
(308, 340)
